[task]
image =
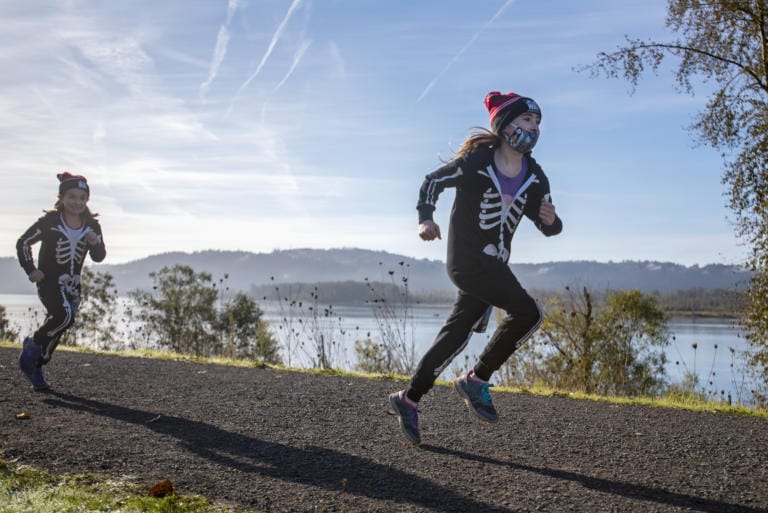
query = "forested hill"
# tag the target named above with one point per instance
(246, 270)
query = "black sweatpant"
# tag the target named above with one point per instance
(492, 284)
(61, 303)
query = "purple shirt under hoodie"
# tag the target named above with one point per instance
(510, 185)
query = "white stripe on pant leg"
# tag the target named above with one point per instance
(525, 337)
(522, 340)
(454, 355)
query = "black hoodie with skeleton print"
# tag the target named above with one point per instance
(62, 249)
(481, 227)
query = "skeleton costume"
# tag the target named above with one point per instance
(483, 220)
(61, 257)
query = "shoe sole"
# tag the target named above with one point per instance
(393, 404)
(468, 402)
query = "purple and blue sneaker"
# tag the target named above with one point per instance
(29, 357)
(407, 416)
(38, 381)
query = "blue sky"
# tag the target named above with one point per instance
(274, 124)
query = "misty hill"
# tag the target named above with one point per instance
(247, 270)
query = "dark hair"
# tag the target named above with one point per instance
(59, 207)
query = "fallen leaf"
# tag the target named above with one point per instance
(161, 489)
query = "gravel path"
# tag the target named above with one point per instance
(278, 441)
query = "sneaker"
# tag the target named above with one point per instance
(475, 393)
(38, 381)
(29, 357)
(407, 416)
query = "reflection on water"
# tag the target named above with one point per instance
(708, 348)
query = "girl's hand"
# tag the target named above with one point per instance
(36, 276)
(428, 230)
(547, 212)
(92, 239)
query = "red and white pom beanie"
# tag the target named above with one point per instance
(503, 108)
(69, 181)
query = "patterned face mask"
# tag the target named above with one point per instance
(522, 140)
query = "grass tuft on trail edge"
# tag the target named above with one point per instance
(692, 402)
(26, 490)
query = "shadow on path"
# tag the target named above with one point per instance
(629, 490)
(312, 466)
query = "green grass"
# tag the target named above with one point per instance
(25, 490)
(692, 402)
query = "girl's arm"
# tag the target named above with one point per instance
(543, 214)
(434, 183)
(24, 246)
(96, 247)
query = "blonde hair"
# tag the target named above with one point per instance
(479, 138)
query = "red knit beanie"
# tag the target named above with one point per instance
(503, 108)
(69, 181)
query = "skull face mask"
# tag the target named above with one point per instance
(521, 140)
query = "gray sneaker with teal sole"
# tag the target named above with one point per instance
(477, 397)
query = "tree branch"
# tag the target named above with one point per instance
(731, 62)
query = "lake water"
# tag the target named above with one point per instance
(710, 348)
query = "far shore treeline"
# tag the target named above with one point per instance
(348, 268)
(346, 276)
(696, 301)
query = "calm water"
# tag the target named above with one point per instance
(709, 348)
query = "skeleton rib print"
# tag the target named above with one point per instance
(492, 209)
(63, 249)
(70, 250)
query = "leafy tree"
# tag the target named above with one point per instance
(609, 350)
(632, 331)
(572, 330)
(95, 319)
(6, 332)
(246, 332)
(724, 42)
(180, 313)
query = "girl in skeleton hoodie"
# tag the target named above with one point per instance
(66, 234)
(497, 183)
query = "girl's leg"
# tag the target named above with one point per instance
(523, 317)
(450, 341)
(60, 314)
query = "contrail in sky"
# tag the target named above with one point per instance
(296, 59)
(275, 39)
(222, 41)
(466, 46)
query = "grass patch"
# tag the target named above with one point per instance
(692, 402)
(674, 400)
(25, 490)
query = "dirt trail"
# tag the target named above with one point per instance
(268, 440)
